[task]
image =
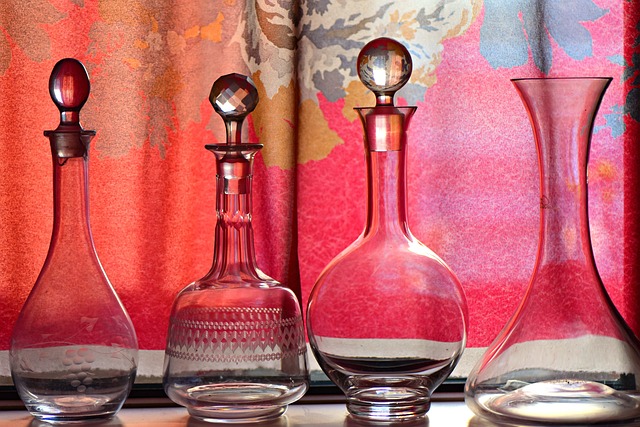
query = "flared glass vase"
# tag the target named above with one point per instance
(236, 349)
(386, 318)
(74, 352)
(566, 356)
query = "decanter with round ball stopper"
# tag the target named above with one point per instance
(387, 318)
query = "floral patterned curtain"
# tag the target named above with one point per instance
(473, 179)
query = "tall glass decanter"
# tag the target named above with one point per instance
(74, 351)
(236, 350)
(386, 318)
(566, 356)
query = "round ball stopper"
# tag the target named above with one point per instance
(233, 96)
(384, 66)
(69, 85)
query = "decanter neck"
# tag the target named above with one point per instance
(71, 203)
(386, 193)
(234, 255)
(385, 141)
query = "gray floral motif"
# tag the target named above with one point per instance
(303, 53)
(23, 23)
(614, 121)
(148, 81)
(331, 33)
(318, 6)
(512, 28)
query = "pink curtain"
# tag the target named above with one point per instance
(473, 185)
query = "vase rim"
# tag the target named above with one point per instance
(519, 79)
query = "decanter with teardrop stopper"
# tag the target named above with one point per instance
(74, 351)
(236, 349)
(387, 317)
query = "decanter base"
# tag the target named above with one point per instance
(560, 401)
(237, 414)
(72, 409)
(240, 402)
(388, 404)
(82, 393)
(52, 399)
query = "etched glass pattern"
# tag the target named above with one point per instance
(235, 335)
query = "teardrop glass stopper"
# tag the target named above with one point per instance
(69, 88)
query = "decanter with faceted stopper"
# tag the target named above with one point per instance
(74, 351)
(387, 318)
(236, 349)
(566, 356)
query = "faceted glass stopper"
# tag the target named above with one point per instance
(384, 66)
(69, 88)
(233, 96)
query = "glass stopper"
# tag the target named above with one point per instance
(384, 66)
(69, 88)
(233, 96)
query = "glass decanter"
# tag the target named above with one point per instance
(566, 356)
(236, 350)
(74, 351)
(386, 318)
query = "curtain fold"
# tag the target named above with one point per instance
(631, 150)
(473, 191)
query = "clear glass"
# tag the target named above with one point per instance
(566, 356)
(387, 318)
(236, 349)
(74, 351)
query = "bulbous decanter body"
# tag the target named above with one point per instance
(74, 351)
(386, 318)
(566, 356)
(236, 350)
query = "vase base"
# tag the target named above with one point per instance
(562, 401)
